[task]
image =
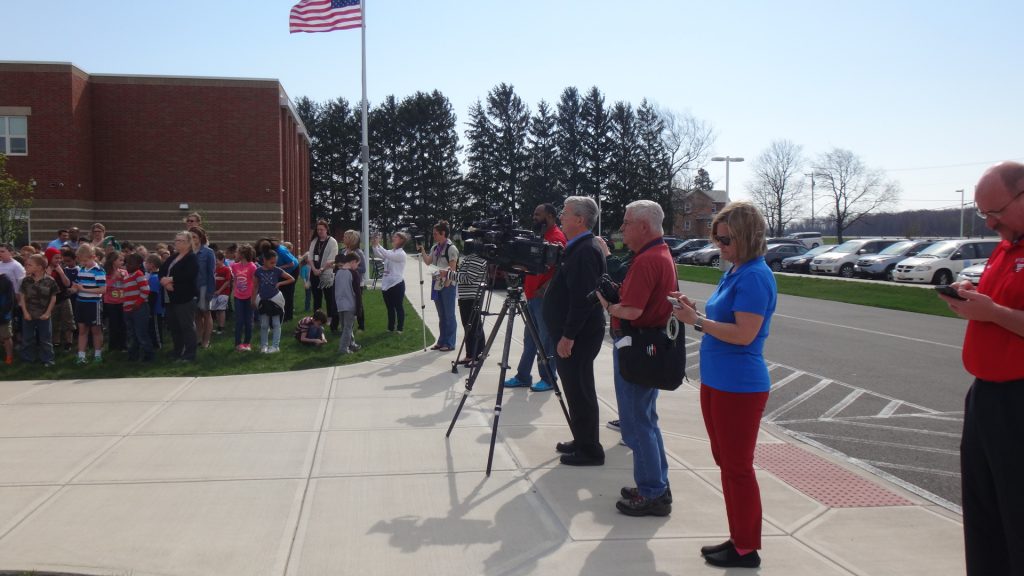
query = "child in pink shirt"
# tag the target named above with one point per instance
(243, 274)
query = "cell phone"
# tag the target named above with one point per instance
(949, 291)
(675, 303)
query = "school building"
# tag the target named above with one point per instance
(138, 153)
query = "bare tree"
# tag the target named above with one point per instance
(688, 142)
(854, 189)
(777, 187)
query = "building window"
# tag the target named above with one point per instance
(14, 135)
(687, 225)
(687, 207)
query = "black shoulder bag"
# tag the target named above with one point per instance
(653, 357)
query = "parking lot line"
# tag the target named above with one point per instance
(900, 336)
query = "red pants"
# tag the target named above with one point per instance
(732, 421)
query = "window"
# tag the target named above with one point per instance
(14, 135)
(686, 225)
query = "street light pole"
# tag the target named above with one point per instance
(812, 197)
(961, 191)
(727, 160)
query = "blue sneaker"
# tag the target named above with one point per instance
(541, 386)
(514, 382)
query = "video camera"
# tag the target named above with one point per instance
(497, 240)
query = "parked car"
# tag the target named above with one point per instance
(776, 253)
(802, 264)
(707, 256)
(881, 265)
(678, 246)
(971, 273)
(689, 246)
(783, 240)
(942, 261)
(809, 239)
(840, 260)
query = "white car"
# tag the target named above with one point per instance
(810, 239)
(942, 261)
(841, 259)
(972, 274)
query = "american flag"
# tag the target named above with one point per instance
(325, 15)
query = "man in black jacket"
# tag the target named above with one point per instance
(578, 326)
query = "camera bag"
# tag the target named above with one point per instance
(653, 357)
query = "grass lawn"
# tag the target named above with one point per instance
(221, 359)
(891, 296)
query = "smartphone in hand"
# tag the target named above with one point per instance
(949, 291)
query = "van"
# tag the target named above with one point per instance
(841, 259)
(809, 239)
(942, 261)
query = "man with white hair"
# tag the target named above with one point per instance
(578, 326)
(643, 303)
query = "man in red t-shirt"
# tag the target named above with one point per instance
(991, 468)
(643, 302)
(545, 221)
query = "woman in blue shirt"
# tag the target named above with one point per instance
(734, 376)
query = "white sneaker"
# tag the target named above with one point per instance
(273, 350)
(265, 350)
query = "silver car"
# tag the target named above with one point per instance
(882, 264)
(971, 273)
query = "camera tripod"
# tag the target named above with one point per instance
(514, 305)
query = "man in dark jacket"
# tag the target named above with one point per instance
(578, 327)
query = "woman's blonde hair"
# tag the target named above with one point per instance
(747, 228)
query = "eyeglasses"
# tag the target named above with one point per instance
(998, 213)
(723, 240)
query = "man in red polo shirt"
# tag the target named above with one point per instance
(992, 468)
(643, 302)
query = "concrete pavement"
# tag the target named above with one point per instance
(347, 470)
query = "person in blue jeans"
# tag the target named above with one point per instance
(445, 256)
(643, 303)
(545, 222)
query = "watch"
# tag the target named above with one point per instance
(698, 324)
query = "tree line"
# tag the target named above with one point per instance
(512, 158)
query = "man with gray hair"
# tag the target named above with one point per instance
(643, 303)
(578, 326)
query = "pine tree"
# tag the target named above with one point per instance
(623, 165)
(596, 147)
(569, 138)
(540, 186)
(498, 157)
(653, 174)
(428, 166)
(389, 205)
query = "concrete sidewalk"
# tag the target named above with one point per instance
(347, 471)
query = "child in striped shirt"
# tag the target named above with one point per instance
(135, 300)
(91, 284)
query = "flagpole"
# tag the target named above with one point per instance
(365, 150)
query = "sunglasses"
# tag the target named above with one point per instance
(723, 240)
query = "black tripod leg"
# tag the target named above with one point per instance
(542, 357)
(469, 331)
(475, 371)
(501, 379)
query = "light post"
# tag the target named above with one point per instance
(961, 191)
(727, 160)
(811, 175)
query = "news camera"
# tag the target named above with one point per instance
(497, 240)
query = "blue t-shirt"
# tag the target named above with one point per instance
(730, 367)
(266, 281)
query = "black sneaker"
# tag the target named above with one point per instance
(729, 558)
(705, 550)
(614, 425)
(632, 492)
(640, 506)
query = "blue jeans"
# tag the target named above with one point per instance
(536, 306)
(30, 330)
(137, 324)
(444, 301)
(638, 420)
(243, 321)
(271, 324)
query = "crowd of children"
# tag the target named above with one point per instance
(85, 292)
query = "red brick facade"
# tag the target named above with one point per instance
(698, 208)
(130, 151)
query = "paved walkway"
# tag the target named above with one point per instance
(347, 471)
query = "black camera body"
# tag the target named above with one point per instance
(607, 288)
(498, 241)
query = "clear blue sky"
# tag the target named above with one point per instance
(929, 91)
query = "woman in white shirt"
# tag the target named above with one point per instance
(393, 280)
(322, 250)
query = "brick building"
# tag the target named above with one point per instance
(138, 153)
(698, 209)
